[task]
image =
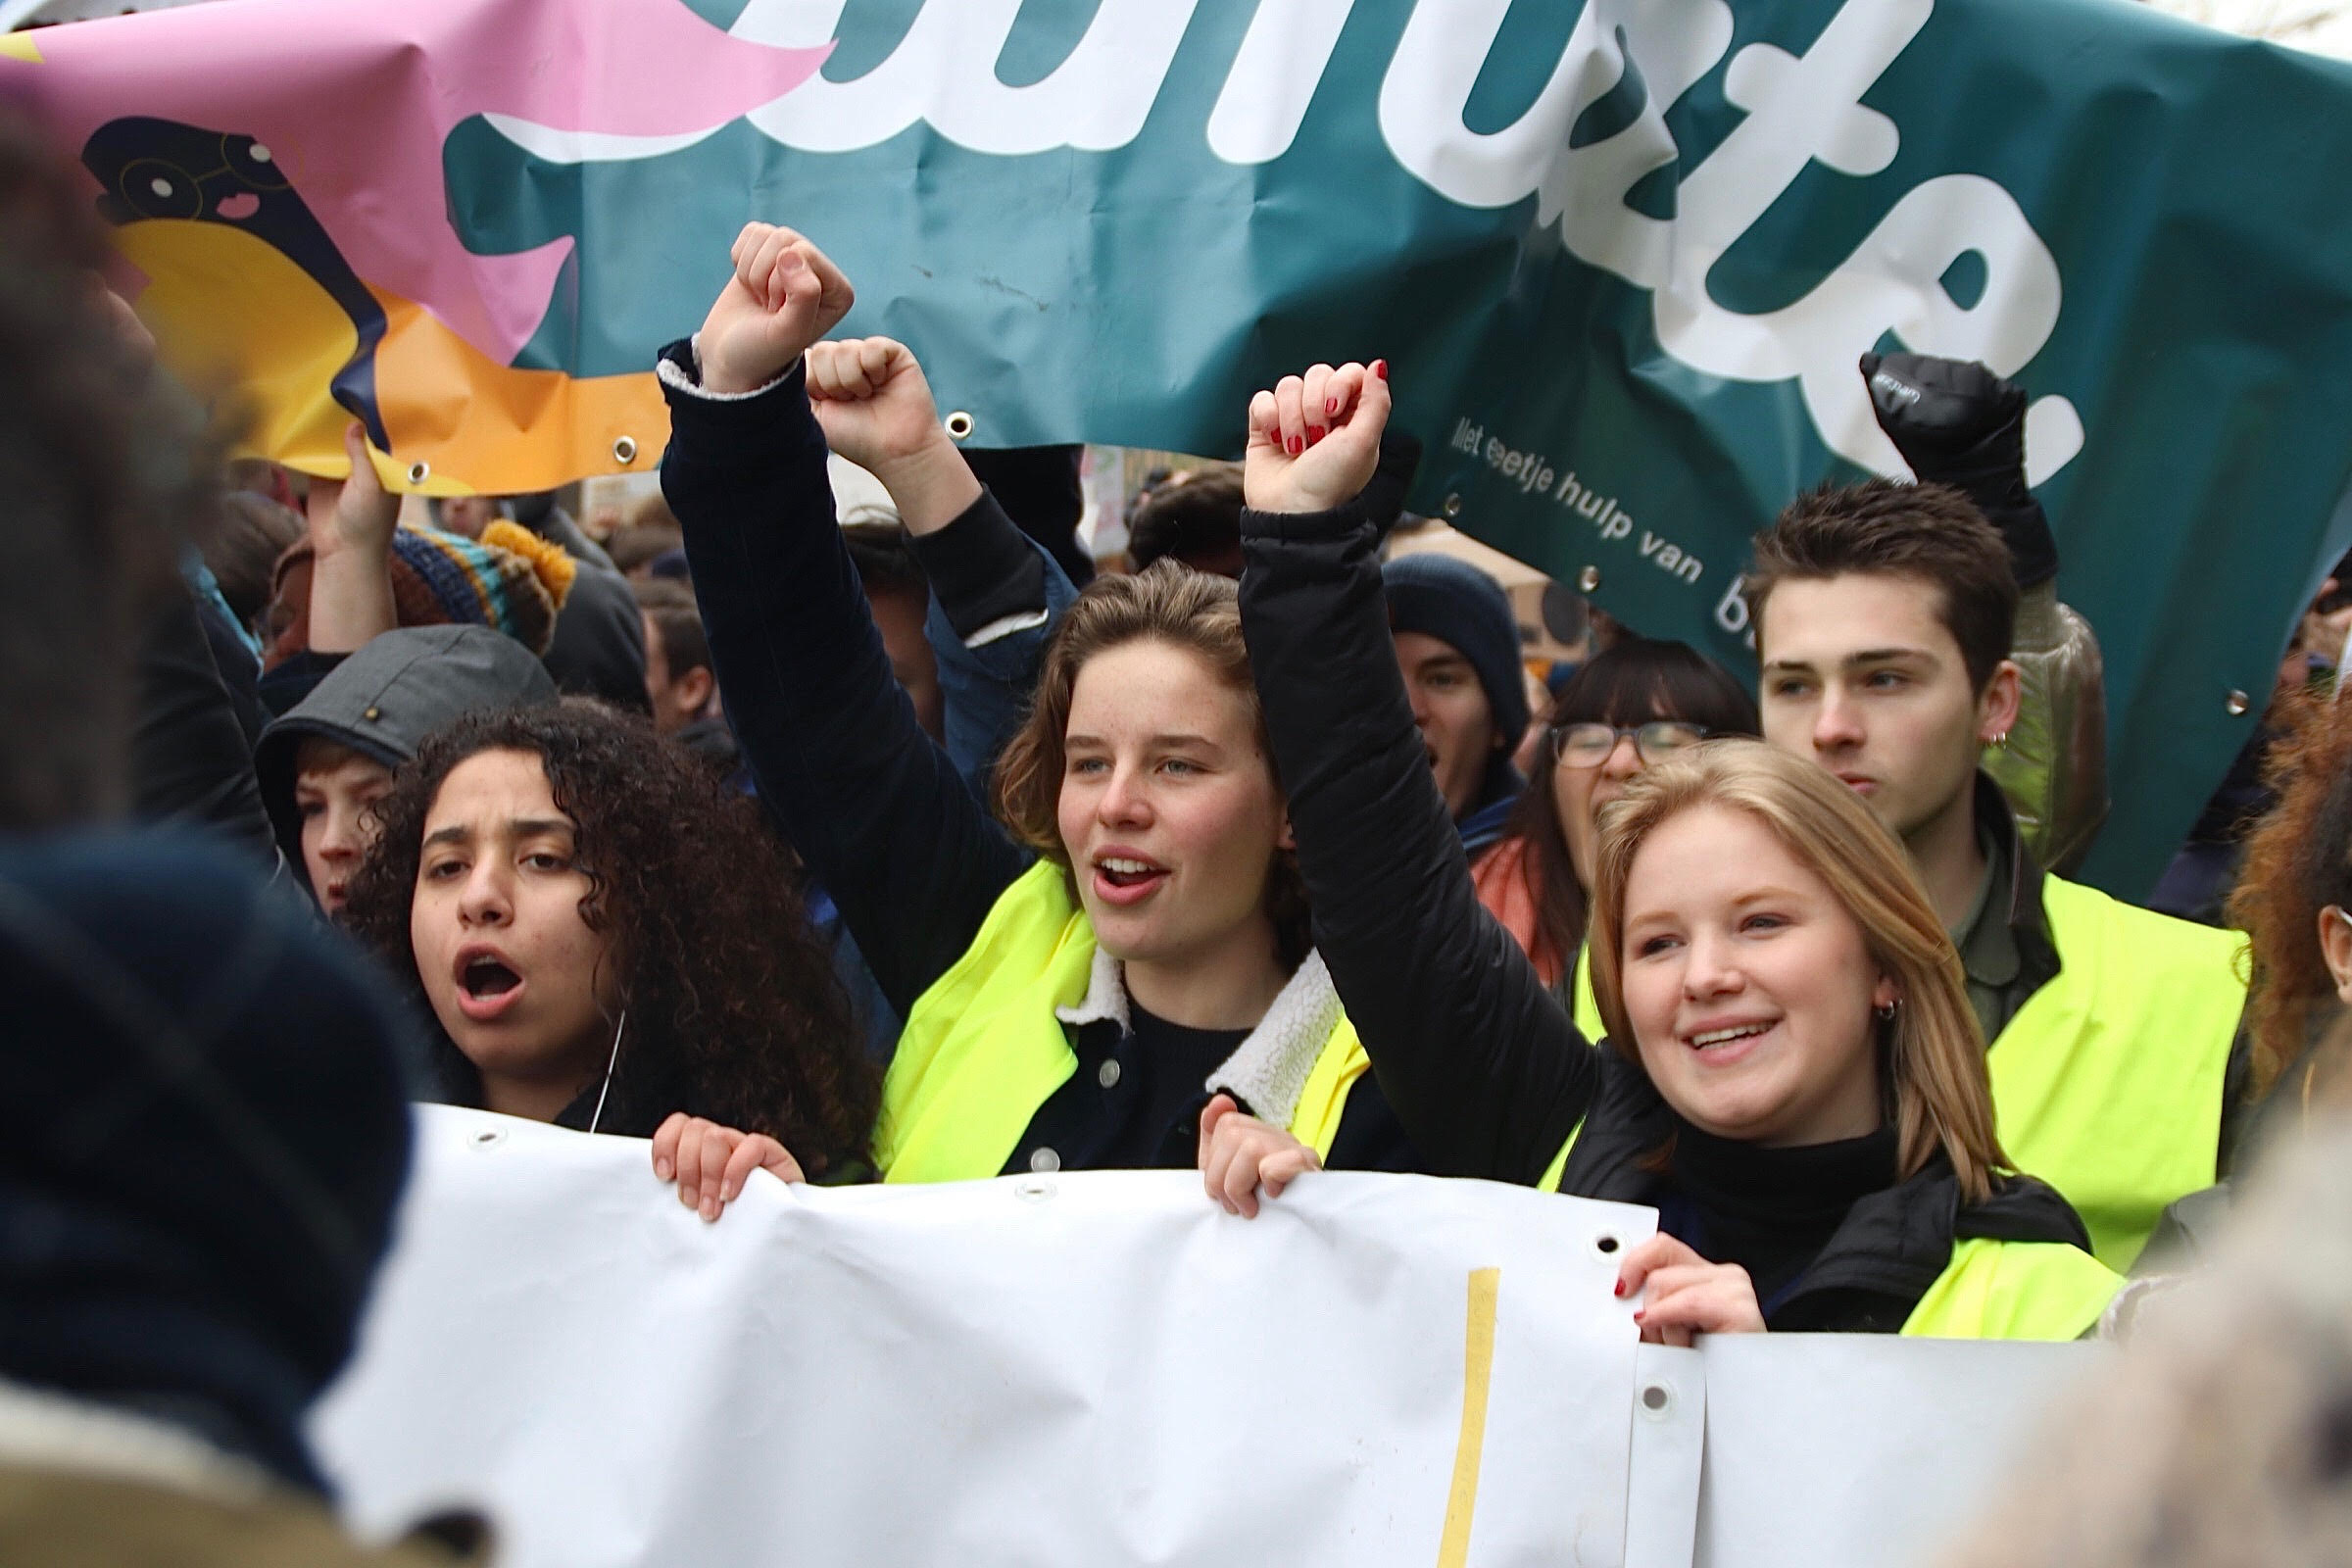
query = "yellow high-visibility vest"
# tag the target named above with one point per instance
(2015, 1290)
(982, 1050)
(2107, 1084)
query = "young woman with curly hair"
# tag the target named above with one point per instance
(1125, 955)
(612, 941)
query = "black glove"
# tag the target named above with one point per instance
(1957, 423)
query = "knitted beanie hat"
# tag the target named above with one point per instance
(1464, 608)
(510, 580)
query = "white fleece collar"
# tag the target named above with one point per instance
(1268, 1071)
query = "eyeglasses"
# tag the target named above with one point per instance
(1589, 745)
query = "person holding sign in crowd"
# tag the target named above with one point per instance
(1793, 1076)
(1075, 978)
(610, 941)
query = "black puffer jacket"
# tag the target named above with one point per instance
(1485, 1071)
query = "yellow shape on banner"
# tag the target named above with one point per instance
(1478, 1373)
(232, 312)
(19, 46)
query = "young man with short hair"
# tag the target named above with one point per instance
(1884, 615)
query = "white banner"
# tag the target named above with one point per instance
(1103, 1368)
(1075, 1369)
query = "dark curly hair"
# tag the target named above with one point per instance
(734, 1012)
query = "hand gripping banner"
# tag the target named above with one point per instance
(1623, 258)
(1083, 1370)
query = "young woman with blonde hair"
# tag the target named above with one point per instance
(1134, 952)
(1792, 1077)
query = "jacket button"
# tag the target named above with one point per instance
(1044, 1161)
(373, 712)
(1108, 1074)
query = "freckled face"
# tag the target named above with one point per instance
(1168, 809)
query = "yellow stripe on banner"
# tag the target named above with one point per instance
(1478, 1370)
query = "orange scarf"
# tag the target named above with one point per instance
(1506, 881)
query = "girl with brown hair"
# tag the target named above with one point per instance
(1792, 1076)
(1128, 949)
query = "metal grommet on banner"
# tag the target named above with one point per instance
(1453, 506)
(1606, 1245)
(1045, 1162)
(1033, 1189)
(1656, 1401)
(624, 449)
(1588, 579)
(486, 1138)
(2235, 704)
(958, 426)
(419, 471)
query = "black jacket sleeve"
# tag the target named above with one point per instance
(877, 811)
(190, 759)
(1485, 1072)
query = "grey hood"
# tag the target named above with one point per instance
(384, 699)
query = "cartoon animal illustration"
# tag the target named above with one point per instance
(162, 168)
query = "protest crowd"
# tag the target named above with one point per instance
(915, 846)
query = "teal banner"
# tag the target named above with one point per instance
(1622, 257)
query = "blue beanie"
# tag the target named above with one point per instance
(1466, 609)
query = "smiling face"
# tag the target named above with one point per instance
(1748, 986)
(334, 788)
(1453, 713)
(521, 984)
(1168, 810)
(1862, 675)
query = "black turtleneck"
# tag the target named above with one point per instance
(1769, 1210)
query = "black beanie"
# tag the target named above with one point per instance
(1466, 609)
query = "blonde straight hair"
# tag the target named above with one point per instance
(1932, 1053)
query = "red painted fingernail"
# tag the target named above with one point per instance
(1621, 1287)
(1331, 406)
(1315, 433)
(1639, 1316)
(1293, 446)
(1379, 367)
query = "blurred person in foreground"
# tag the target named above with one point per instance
(167, 1319)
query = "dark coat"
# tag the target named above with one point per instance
(1482, 1065)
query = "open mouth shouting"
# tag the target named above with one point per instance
(1123, 878)
(488, 983)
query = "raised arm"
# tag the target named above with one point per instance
(995, 591)
(1485, 1072)
(877, 811)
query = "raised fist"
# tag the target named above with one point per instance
(1314, 439)
(784, 295)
